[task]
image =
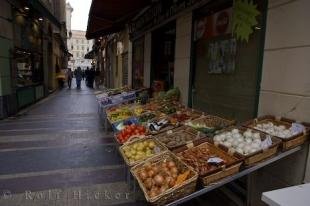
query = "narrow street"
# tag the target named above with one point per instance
(57, 151)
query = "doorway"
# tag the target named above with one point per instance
(163, 50)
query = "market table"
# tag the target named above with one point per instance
(297, 195)
(234, 177)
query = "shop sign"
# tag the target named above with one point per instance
(219, 23)
(158, 13)
(244, 19)
(221, 56)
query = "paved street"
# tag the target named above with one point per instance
(57, 153)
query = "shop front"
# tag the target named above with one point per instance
(27, 61)
(226, 71)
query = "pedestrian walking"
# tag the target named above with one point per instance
(91, 77)
(69, 77)
(87, 76)
(83, 74)
(78, 77)
(97, 78)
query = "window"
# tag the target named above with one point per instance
(82, 47)
(71, 47)
(87, 49)
(77, 41)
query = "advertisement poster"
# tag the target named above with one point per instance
(221, 56)
(217, 46)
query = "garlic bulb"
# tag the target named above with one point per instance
(244, 143)
(275, 130)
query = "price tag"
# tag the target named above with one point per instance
(297, 128)
(215, 160)
(169, 132)
(266, 143)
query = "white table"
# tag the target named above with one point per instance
(290, 196)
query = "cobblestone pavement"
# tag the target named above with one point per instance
(58, 154)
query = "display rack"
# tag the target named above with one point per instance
(234, 177)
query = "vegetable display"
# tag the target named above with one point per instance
(205, 158)
(160, 177)
(209, 124)
(244, 143)
(276, 130)
(146, 117)
(129, 131)
(173, 139)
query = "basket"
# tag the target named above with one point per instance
(212, 123)
(191, 113)
(191, 133)
(287, 143)
(214, 174)
(174, 193)
(161, 147)
(257, 156)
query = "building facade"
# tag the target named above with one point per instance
(33, 51)
(79, 46)
(266, 75)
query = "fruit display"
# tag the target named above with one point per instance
(156, 126)
(206, 158)
(146, 117)
(173, 139)
(243, 142)
(118, 114)
(139, 150)
(130, 131)
(161, 176)
(138, 110)
(209, 124)
(120, 125)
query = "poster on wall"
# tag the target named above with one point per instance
(217, 24)
(218, 46)
(221, 56)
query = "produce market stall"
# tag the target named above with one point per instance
(176, 154)
(113, 97)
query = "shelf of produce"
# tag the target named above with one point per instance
(234, 177)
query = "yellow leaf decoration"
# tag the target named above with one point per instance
(244, 19)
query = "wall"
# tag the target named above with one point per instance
(147, 59)
(182, 55)
(6, 34)
(285, 87)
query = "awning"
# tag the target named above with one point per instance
(110, 16)
(37, 5)
(90, 54)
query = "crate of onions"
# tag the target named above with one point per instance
(164, 178)
(210, 162)
(291, 133)
(253, 146)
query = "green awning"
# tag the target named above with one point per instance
(38, 5)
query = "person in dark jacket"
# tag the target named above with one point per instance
(87, 76)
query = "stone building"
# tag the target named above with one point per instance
(33, 51)
(78, 46)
